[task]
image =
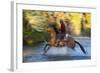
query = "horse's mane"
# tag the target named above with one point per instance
(54, 28)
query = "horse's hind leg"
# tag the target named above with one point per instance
(81, 47)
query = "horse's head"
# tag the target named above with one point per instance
(49, 29)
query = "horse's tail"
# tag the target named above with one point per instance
(82, 48)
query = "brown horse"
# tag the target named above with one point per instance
(65, 41)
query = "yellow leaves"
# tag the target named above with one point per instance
(37, 22)
(76, 20)
(88, 18)
(31, 21)
(40, 19)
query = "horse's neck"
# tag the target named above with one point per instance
(53, 32)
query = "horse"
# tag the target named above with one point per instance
(61, 38)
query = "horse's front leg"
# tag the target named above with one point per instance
(46, 48)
